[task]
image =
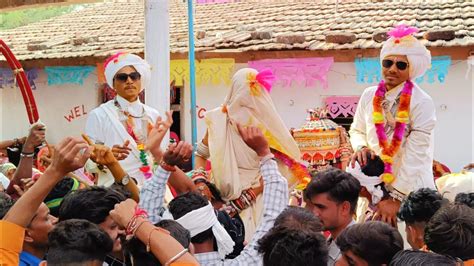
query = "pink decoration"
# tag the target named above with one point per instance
(266, 79)
(147, 175)
(402, 31)
(174, 136)
(303, 71)
(345, 105)
(113, 58)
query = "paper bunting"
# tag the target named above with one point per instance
(208, 71)
(7, 79)
(68, 74)
(369, 70)
(439, 67)
(301, 71)
(342, 105)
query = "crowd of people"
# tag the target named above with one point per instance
(114, 197)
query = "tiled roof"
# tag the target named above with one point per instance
(103, 28)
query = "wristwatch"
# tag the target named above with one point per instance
(124, 180)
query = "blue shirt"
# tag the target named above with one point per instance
(27, 259)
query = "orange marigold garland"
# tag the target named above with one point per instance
(390, 149)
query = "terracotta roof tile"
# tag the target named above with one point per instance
(104, 28)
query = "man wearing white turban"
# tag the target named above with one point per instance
(396, 121)
(124, 120)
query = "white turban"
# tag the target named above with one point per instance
(371, 183)
(116, 62)
(402, 42)
(200, 220)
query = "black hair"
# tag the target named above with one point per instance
(420, 205)
(373, 167)
(235, 228)
(137, 249)
(451, 231)
(185, 203)
(61, 189)
(293, 217)
(77, 242)
(375, 242)
(339, 185)
(6, 202)
(295, 239)
(92, 204)
(465, 198)
(421, 258)
(212, 188)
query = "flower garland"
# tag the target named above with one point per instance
(145, 169)
(130, 128)
(389, 150)
(299, 171)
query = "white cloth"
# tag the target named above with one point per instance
(451, 185)
(103, 125)
(4, 181)
(200, 220)
(419, 58)
(235, 166)
(412, 165)
(121, 60)
(369, 182)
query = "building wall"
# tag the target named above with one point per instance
(453, 100)
(56, 105)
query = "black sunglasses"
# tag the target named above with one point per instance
(387, 63)
(123, 77)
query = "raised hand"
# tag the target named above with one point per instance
(69, 155)
(254, 138)
(35, 138)
(178, 153)
(123, 212)
(361, 156)
(156, 135)
(121, 152)
(100, 154)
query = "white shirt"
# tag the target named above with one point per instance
(104, 125)
(412, 165)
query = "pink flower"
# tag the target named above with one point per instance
(401, 31)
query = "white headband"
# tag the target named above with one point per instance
(200, 220)
(369, 182)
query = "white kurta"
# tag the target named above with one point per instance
(103, 125)
(412, 164)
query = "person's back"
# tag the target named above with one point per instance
(77, 242)
(416, 210)
(421, 258)
(370, 243)
(295, 239)
(451, 232)
(94, 204)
